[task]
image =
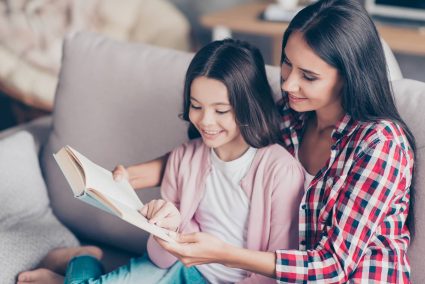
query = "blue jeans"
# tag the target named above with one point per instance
(88, 270)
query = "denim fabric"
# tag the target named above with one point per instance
(88, 270)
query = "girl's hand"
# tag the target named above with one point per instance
(120, 173)
(163, 214)
(196, 248)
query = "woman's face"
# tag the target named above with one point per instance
(311, 83)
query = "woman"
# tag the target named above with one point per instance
(341, 123)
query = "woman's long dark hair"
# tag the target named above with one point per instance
(342, 34)
(240, 67)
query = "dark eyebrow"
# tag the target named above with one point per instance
(309, 72)
(215, 104)
(302, 69)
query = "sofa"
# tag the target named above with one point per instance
(119, 103)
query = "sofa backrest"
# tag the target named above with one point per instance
(410, 99)
(118, 103)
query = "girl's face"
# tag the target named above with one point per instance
(311, 83)
(213, 116)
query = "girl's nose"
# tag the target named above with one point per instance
(207, 118)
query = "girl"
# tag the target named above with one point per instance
(341, 123)
(233, 182)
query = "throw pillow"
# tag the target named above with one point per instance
(28, 229)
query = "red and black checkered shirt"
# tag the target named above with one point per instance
(353, 215)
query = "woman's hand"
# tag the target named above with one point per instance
(162, 213)
(202, 248)
(196, 248)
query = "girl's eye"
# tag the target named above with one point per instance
(309, 78)
(286, 62)
(194, 107)
(222, 111)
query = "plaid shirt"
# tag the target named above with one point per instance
(352, 216)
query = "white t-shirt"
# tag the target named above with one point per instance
(223, 211)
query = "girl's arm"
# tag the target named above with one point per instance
(148, 174)
(169, 192)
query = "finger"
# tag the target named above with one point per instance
(162, 213)
(144, 210)
(170, 247)
(118, 172)
(154, 207)
(149, 209)
(188, 238)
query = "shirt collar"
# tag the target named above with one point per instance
(344, 128)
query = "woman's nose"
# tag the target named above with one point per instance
(291, 83)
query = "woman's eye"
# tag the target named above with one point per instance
(309, 78)
(194, 107)
(222, 111)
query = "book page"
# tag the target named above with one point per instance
(102, 180)
(71, 171)
(134, 217)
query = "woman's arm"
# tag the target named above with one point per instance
(375, 189)
(258, 262)
(148, 174)
(360, 210)
(201, 248)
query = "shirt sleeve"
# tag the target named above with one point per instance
(365, 196)
(286, 188)
(169, 192)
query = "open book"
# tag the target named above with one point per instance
(95, 185)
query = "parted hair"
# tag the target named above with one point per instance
(342, 34)
(240, 67)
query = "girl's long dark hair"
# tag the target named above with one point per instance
(342, 34)
(240, 67)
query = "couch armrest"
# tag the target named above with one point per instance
(39, 129)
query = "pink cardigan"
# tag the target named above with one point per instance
(274, 184)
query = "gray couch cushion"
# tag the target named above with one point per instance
(28, 229)
(410, 98)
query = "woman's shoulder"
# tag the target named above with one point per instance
(380, 130)
(369, 134)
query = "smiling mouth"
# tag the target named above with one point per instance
(211, 132)
(294, 98)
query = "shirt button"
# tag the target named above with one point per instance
(303, 206)
(302, 242)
